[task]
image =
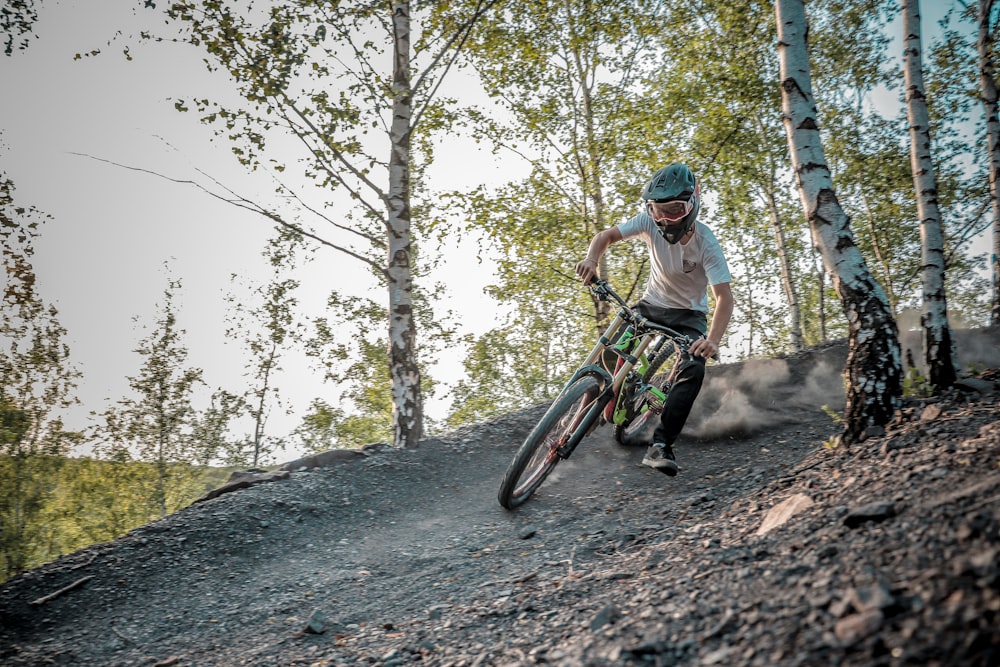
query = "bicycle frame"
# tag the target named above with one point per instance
(637, 348)
(628, 336)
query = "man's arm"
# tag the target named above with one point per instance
(709, 346)
(587, 267)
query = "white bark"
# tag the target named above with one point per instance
(874, 367)
(406, 396)
(988, 94)
(785, 265)
(938, 343)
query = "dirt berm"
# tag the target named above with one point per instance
(767, 549)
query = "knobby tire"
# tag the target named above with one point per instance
(538, 455)
(629, 433)
(656, 361)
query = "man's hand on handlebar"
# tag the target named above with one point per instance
(586, 269)
(703, 347)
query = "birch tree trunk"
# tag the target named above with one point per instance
(939, 345)
(988, 94)
(785, 264)
(874, 367)
(880, 255)
(407, 401)
(590, 169)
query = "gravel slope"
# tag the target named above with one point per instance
(888, 555)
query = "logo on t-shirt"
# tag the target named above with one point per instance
(689, 266)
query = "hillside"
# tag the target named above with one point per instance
(888, 553)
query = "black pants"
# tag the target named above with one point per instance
(685, 389)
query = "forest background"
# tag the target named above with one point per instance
(141, 255)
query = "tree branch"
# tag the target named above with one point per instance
(461, 35)
(65, 589)
(244, 203)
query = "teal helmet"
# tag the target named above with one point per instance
(672, 200)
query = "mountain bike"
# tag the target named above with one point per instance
(614, 384)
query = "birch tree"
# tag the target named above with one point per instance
(158, 417)
(350, 85)
(938, 342)
(37, 381)
(954, 91)
(268, 329)
(576, 120)
(874, 365)
(988, 95)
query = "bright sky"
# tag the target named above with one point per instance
(101, 257)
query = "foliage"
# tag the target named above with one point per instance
(212, 431)
(837, 417)
(267, 328)
(362, 412)
(318, 430)
(17, 20)
(111, 493)
(525, 363)
(19, 226)
(157, 419)
(37, 381)
(916, 384)
(95, 499)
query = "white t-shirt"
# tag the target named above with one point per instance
(680, 274)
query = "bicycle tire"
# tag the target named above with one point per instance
(537, 456)
(630, 432)
(656, 361)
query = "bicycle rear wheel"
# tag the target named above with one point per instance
(630, 432)
(539, 454)
(656, 361)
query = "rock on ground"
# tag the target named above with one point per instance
(890, 556)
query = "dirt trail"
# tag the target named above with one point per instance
(406, 556)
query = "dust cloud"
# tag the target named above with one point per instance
(740, 400)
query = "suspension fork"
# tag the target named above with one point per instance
(610, 384)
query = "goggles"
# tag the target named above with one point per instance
(669, 211)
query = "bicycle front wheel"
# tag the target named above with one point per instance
(539, 454)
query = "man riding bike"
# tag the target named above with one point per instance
(685, 258)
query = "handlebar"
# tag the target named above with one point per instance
(604, 292)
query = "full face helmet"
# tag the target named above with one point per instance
(672, 200)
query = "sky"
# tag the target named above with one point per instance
(102, 257)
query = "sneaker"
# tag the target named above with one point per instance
(661, 457)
